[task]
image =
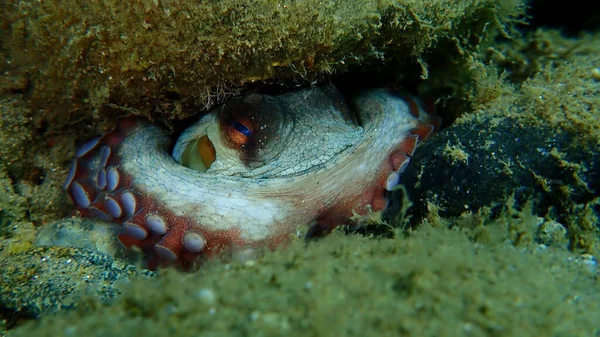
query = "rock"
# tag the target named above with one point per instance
(552, 233)
(484, 161)
(83, 233)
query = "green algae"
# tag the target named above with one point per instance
(544, 77)
(434, 282)
(30, 172)
(173, 57)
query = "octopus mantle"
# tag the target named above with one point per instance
(257, 168)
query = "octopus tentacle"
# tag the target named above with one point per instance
(100, 188)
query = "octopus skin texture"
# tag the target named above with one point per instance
(248, 173)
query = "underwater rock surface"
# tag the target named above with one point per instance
(169, 58)
(485, 161)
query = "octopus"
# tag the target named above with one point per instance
(250, 172)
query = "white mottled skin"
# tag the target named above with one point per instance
(338, 160)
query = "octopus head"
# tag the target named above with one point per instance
(266, 137)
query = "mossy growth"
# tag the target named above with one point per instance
(31, 168)
(434, 282)
(174, 58)
(544, 78)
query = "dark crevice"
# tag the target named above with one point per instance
(571, 17)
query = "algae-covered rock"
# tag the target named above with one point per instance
(165, 57)
(485, 165)
(530, 140)
(31, 167)
(484, 162)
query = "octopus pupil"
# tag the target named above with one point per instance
(242, 129)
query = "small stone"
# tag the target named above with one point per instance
(552, 233)
(82, 233)
(588, 259)
(207, 296)
(596, 74)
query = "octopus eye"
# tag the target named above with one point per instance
(241, 132)
(199, 154)
(247, 125)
